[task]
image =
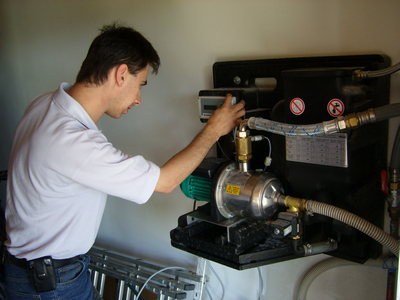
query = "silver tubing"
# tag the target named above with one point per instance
(286, 129)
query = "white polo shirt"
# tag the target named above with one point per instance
(61, 169)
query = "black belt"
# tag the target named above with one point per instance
(57, 263)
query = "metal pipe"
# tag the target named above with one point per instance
(321, 247)
(243, 125)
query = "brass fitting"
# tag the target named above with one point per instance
(348, 122)
(394, 185)
(243, 146)
(294, 204)
(394, 188)
(355, 120)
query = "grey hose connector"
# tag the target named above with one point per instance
(355, 221)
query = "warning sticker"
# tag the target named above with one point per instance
(297, 106)
(233, 190)
(335, 107)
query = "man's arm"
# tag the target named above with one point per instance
(180, 166)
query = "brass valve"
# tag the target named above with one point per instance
(295, 205)
(243, 146)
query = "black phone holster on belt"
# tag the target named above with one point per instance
(42, 273)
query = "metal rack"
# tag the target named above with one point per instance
(131, 273)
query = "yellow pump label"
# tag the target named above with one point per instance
(232, 189)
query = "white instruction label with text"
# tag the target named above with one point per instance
(328, 150)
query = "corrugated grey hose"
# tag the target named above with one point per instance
(355, 221)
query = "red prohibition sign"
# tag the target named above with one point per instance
(335, 107)
(297, 106)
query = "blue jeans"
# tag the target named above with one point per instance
(73, 282)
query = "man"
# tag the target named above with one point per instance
(62, 167)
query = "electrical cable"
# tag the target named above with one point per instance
(260, 284)
(268, 159)
(392, 268)
(222, 151)
(208, 293)
(270, 147)
(156, 273)
(194, 205)
(220, 281)
(203, 279)
(233, 140)
(134, 291)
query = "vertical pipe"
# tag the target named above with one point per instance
(393, 208)
(137, 289)
(102, 284)
(120, 291)
(95, 278)
(128, 293)
(391, 278)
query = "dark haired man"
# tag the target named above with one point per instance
(62, 167)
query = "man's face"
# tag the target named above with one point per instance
(129, 95)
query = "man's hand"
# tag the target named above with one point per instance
(226, 118)
(179, 167)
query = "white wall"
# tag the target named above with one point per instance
(43, 43)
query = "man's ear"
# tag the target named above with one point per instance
(120, 74)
